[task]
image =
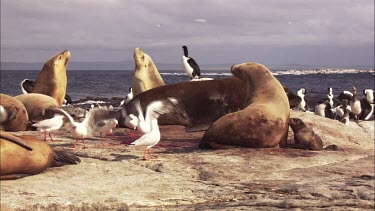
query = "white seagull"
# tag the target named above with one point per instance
(151, 138)
(132, 121)
(105, 126)
(191, 67)
(159, 106)
(81, 130)
(49, 125)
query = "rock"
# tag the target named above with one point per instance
(113, 176)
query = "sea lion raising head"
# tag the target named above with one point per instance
(52, 79)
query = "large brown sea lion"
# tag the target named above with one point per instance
(52, 79)
(25, 155)
(263, 122)
(146, 75)
(14, 115)
(36, 104)
(200, 103)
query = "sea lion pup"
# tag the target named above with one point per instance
(25, 155)
(264, 120)
(304, 136)
(36, 104)
(146, 75)
(13, 114)
(52, 79)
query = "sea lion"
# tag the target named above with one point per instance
(146, 75)
(304, 136)
(200, 102)
(14, 116)
(36, 104)
(264, 120)
(27, 86)
(25, 155)
(52, 79)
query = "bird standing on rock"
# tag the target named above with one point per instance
(355, 104)
(153, 111)
(191, 67)
(49, 125)
(81, 130)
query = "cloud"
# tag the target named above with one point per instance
(113, 26)
(200, 20)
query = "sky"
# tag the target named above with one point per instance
(311, 32)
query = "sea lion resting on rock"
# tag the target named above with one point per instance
(146, 75)
(25, 155)
(36, 104)
(200, 102)
(14, 115)
(264, 120)
(52, 79)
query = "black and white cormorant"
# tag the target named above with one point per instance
(191, 67)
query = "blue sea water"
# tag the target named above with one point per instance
(115, 83)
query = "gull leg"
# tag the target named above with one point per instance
(144, 155)
(132, 134)
(84, 145)
(149, 152)
(74, 146)
(51, 137)
(45, 135)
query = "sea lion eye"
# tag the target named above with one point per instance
(59, 57)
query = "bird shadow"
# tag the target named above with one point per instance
(120, 157)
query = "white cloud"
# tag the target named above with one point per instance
(120, 25)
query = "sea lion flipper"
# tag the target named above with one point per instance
(62, 157)
(15, 139)
(13, 176)
(197, 128)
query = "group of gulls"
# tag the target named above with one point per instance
(103, 120)
(346, 106)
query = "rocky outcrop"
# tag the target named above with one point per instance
(113, 176)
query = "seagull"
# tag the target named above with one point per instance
(3, 114)
(81, 130)
(144, 125)
(129, 96)
(49, 125)
(132, 121)
(106, 126)
(355, 104)
(151, 138)
(191, 67)
(302, 105)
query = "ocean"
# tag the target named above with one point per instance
(116, 83)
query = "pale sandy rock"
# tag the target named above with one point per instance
(112, 175)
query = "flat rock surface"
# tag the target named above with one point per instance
(113, 176)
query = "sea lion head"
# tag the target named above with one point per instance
(59, 61)
(141, 59)
(244, 70)
(296, 124)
